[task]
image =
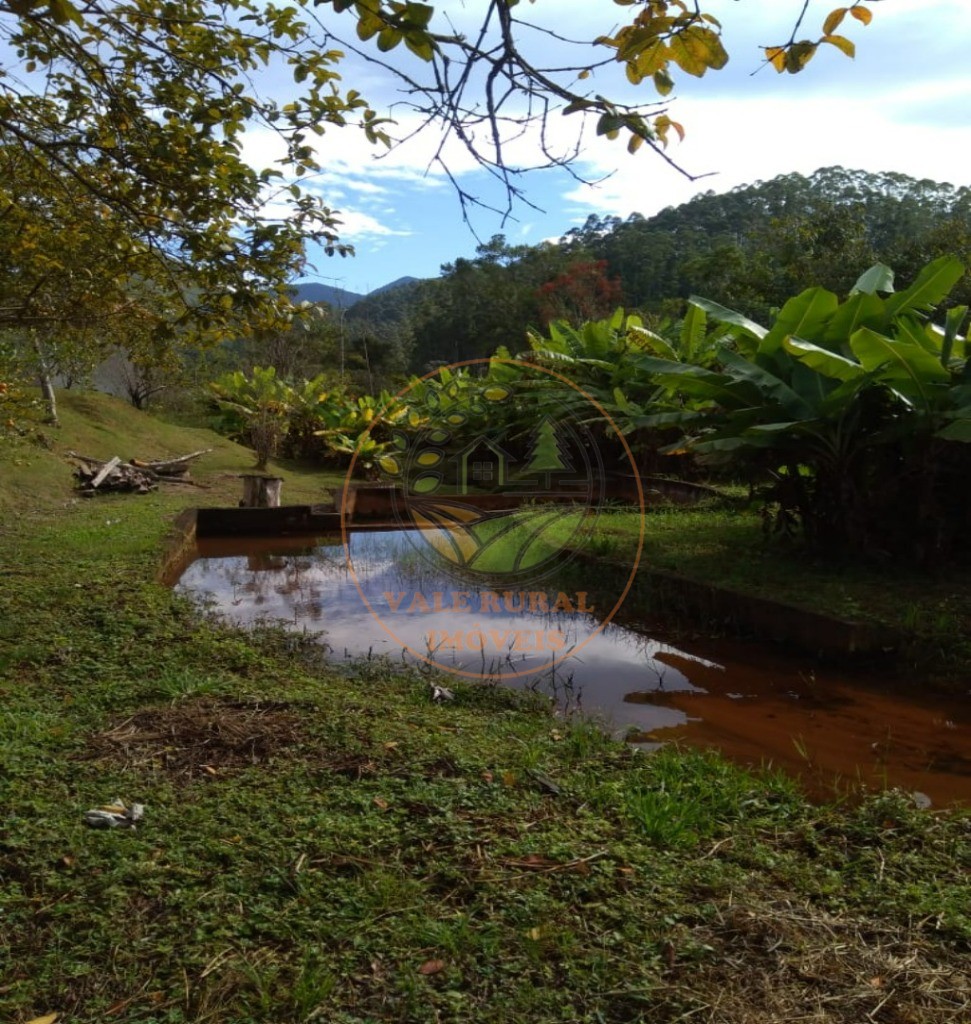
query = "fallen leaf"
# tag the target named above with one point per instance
(533, 862)
(534, 933)
(379, 801)
(509, 779)
(393, 745)
(49, 1019)
(487, 776)
(432, 967)
(876, 982)
(555, 734)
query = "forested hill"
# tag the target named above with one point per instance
(758, 244)
(749, 248)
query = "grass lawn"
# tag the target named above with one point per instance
(324, 845)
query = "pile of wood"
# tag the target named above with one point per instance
(95, 476)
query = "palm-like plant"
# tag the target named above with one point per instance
(850, 409)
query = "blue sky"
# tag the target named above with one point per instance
(901, 105)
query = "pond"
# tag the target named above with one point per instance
(380, 597)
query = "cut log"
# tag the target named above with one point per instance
(171, 467)
(105, 471)
(261, 491)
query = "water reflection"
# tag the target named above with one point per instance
(754, 703)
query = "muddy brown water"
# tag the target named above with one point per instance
(838, 733)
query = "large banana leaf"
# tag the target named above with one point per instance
(930, 287)
(648, 341)
(860, 310)
(771, 387)
(697, 382)
(911, 370)
(823, 361)
(693, 332)
(806, 316)
(953, 343)
(879, 278)
(724, 315)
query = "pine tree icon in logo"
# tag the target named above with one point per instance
(549, 455)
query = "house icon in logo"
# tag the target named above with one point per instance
(482, 464)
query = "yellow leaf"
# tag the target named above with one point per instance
(432, 967)
(585, 73)
(862, 14)
(634, 144)
(841, 43)
(776, 56)
(663, 123)
(381, 803)
(49, 1019)
(534, 933)
(833, 19)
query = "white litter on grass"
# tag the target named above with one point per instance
(117, 814)
(441, 693)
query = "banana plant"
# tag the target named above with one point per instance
(837, 403)
(257, 409)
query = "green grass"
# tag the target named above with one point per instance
(334, 846)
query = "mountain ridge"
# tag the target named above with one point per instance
(342, 298)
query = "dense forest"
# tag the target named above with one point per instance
(750, 248)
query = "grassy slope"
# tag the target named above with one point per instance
(336, 847)
(102, 427)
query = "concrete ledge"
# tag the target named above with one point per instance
(813, 632)
(177, 548)
(284, 521)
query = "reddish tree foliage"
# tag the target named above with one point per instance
(582, 292)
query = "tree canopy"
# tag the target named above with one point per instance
(122, 126)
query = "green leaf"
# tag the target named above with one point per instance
(862, 309)
(823, 361)
(693, 330)
(724, 315)
(648, 341)
(701, 383)
(805, 316)
(879, 278)
(771, 387)
(952, 324)
(931, 286)
(911, 369)
(958, 429)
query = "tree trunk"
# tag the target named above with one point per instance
(46, 384)
(261, 492)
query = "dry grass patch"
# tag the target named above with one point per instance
(772, 961)
(202, 738)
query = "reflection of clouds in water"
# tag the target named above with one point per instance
(318, 590)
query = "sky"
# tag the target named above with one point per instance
(901, 105)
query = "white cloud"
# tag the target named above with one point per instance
(764, 137)
(357, 225)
